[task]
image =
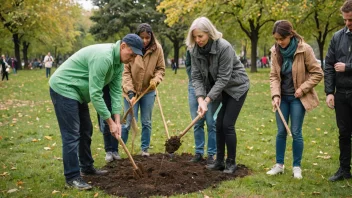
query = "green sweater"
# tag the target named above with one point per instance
(83, 76)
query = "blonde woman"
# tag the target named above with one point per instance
(218, 75)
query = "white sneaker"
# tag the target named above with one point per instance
(109, 157)
(276, 169)
(145, 154)
(297, 172)
(116, 155)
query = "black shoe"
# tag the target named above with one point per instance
(93, 171)
(210, 159)
(216, 166)
(79, 184)
(340, 175)
(197, 158)
(230, 166)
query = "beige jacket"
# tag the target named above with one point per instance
(306, 74)
(137, 75)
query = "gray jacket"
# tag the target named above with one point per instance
(225, 68)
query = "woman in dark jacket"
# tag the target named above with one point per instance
(217, 74)
(3, 68)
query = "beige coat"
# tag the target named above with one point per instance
(306, 74)
(137, 75)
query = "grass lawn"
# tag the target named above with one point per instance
(30, 142)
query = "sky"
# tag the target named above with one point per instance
(86, 4)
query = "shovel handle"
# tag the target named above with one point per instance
(128, 153)
(283, 120)
(162, 114)
(131, 107)
(190, 125)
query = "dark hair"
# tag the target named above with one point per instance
(145, 27)
(284, 28)
(346, 7)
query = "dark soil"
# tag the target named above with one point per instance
(163, 176)
(172, 144)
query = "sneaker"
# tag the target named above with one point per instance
(340, 175)
(297, 172)
(197, 158)
(217, 165)
(116, 155)
(145, 153)
(93, 171)
(276, 169)
(210, 159)
(109, 157)
(78, 183)
(230, 166)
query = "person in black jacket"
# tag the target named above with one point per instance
(3, 68)
(338, 88)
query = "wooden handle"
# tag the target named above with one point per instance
(131, 107)
(128, 153)
(162, 114)
(283, 120)
(190, 125)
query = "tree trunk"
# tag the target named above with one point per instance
(176, 51)
(16, 42)
(254, 40)
(25, 52)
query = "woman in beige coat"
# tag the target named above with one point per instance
(294, 73)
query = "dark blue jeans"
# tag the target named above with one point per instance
(48, 72)
(76, 132)
(293, 109)
(343, 109)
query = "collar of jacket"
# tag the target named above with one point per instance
(212, 50)
(116, 53)
(151, 49)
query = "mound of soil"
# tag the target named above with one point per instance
(163, 176)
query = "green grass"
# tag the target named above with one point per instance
(28, 124)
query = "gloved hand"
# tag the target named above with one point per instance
(153, 83)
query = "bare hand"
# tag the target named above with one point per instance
(202, 108)
(298, 93)
(153, 83)
(330, 101)
(340, 67)
(276, 101)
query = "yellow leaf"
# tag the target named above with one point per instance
(4, 174)
(13, 168)
(315, 164)
(47, 148)
(96, 194)
(318, 129)
(19, 183)
(48, 137)
(54, 192)
(34, 140)
(249, 147)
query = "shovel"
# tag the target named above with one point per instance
(134, 127)
(174, 143)
(138, 169)
(162, 114)
(131, 107)
(283, 120)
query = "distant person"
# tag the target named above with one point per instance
(4, 68)
(217, 74)
(48, 63)
(79, 80)
(145, 71)
(264, 61)
(174, 65)
(294, 74)
(338, 89)
(199, 134)
(13, 63)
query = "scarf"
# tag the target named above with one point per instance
(287, 55)
(206, 49)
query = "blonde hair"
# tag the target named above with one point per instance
(203, 24)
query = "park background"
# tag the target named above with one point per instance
(30, 141)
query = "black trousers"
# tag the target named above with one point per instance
(5, 74)
(225, 126)
(343, 109)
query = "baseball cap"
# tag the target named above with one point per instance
(134, 42)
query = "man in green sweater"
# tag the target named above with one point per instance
(79, 80)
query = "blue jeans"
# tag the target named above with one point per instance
(76, 132)
(146, 104)
(48, 70)
(14, 70)
(110, 142)
(199, 126)
(293, 108)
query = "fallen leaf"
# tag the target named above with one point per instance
(47, 148)
(37, 119)
(249, 147)
(19, 183)
(0, 137)
(48, 137)
(318, 129)
(315, 164)
(13, 168)
(34, 140)
(4, 174)
(54, 144)
(12, 190)
(96, 194)
(55, 191)
(315, 193)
